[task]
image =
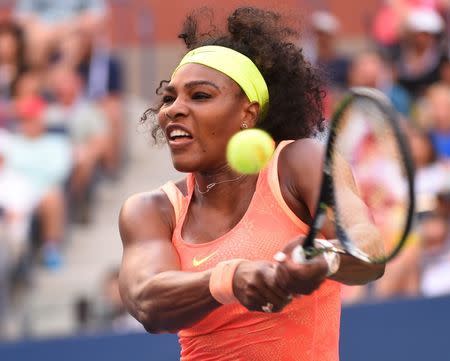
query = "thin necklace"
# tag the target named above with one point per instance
(212, 185)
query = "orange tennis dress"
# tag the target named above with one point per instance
(306, 330)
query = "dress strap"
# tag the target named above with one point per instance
(175, 197)
(274, 184)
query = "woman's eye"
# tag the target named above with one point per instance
(200, 95)
(167, 99)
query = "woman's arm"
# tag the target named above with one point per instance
(153, 289)
(300, 173)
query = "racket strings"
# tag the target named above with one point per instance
(367, 163)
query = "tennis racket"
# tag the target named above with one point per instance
(364, 133)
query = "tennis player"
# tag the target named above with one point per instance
(199, 253)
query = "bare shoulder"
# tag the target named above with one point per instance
(305, 150)
(146, 215)
(300, 172)
(302, 157)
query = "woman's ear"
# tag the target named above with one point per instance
(251, 114)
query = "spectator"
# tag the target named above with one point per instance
(45, 161)
(16, 204)
(102, 75)
(46, 21)
(388, 21)
(87, 129)
(322, 50)
(421, 55)
(17, 201)
(430, 174)
(371, 70)
(435, 233)
(114, 315)
(435, 118)
(105, 311)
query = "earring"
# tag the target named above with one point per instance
(244, 126)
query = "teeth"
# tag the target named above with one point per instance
(178, 133)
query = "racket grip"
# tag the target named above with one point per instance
(298, 255)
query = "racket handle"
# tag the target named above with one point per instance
(332, 259)
(298, 255)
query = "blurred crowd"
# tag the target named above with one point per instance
(407, 57)
(61, 130)
(61, 133)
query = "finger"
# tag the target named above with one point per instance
(270, 297)
(282, 279)
(273, 292)
(252, 298)
(256, 294)
(298, 261)
(301, 278)
(280, 257)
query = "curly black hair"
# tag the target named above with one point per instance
(295, 88)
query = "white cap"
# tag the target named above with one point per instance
(325, 21)
(424, 20)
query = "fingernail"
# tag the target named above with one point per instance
(280, 257)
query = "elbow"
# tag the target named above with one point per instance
(154, 326)
(153, 320)
(151, 328)
(147, 315)
(379, 270)
(149, 319)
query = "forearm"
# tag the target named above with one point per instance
(355, 272)
(172, 300)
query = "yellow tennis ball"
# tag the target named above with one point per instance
(249, 150)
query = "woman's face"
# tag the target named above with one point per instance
(202, 108)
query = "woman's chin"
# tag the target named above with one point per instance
(184, 167)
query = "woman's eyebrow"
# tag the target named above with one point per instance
(169, 88)
(200, 82)
(191, 84)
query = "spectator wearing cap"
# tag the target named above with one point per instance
(322, 49)
(45, 161)
(421, 55)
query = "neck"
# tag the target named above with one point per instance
(223, 181)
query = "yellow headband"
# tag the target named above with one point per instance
(235, 65)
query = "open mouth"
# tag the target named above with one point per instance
(178, 135)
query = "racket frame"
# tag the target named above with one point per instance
(327, 197)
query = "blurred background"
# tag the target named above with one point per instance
(76, 77)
